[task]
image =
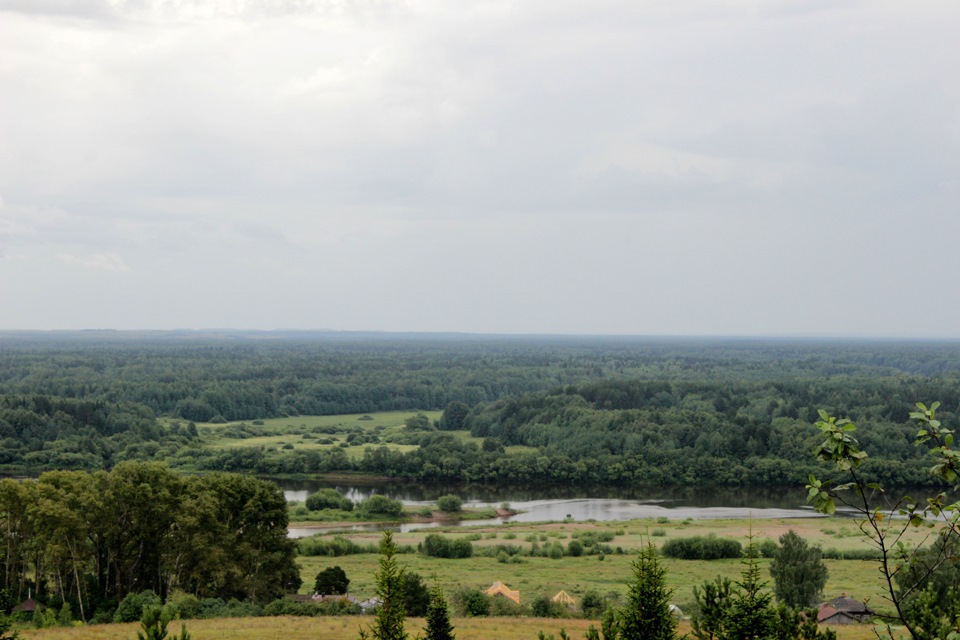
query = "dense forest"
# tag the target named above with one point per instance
(91, 539)
(587, 410)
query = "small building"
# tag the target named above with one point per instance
(28, 606)
(843, 610)
(565, 599)
(500, 589)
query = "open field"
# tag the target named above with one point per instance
(347, 628)
(535, 576)
(353, 432)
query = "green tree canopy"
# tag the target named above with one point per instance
(798, 572)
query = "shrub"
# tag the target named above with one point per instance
(328, 499)
(382, 505)
(131, 608)
(702, 548)
(575, 549)
(437, 546)
(450, 504)
(474, 602)
(337, 546)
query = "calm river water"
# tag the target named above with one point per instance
(538, 504)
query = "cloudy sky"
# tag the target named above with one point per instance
(739, 167)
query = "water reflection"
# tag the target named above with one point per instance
(561, 503)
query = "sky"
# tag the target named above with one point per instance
(654, 167)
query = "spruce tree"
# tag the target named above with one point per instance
(646, 615)
(439, 626)
(750, 615)
(388, 623)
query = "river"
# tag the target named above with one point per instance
(538, 504)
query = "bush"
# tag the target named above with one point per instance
(450, 504)
(575, 549)
(437, 546)
(132, 606)
(382, 505)
(474, 602)
(328, 499)
(337, 546)
(702, 548)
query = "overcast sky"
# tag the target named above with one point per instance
(748, 167)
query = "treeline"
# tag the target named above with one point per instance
(589, 411)
(202, 377)
(91, 539)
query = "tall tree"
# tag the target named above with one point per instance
(798, 571)
(388, 623)
(646, 614)
(439, 626)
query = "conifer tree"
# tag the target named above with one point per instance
(646, 615)
(439, 626)
(388, 623)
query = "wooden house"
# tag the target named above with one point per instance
(500, 589)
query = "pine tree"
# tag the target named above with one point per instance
(750, 615)
(388, 623)
(439, 626)
(646, 615)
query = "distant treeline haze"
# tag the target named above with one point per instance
(600, 411)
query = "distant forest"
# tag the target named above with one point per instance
(589, 410)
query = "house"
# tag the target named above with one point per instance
(565, 599)
(500, 589)
(28, 606)
(843, 610)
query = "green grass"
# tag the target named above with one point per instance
(545, 576)
(305, 433)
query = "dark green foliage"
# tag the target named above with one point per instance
(438, 546)
(107, 537)
(743, 611)
(439, 626)
(382, 505)
(798, 572)
(153, 626)
(474, 602)
(646, 614)
(749, 615)
(335, 546)
(592, 605)
(575, 548)
(454, 416)
(332, 581)
(702, 548)
(328, 499)
(416, 595)
(544, 607)
(713, 602)
(450, 504)
(135, 606)
(388, 623)
(418, 422)
(5, 624)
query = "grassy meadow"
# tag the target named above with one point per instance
(353, 433)
(534, 576)
(348, 627)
